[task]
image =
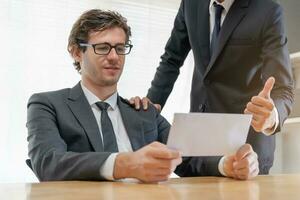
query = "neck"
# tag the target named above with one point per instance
(102, 92)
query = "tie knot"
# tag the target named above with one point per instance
(219, 8)
(102, 105)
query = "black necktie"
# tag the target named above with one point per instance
(217, 27)
(108, 134)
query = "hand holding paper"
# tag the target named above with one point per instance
(243, 164)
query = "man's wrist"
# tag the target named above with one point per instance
(272, 124)
(122, 167)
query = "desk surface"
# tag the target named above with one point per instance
(277, 187)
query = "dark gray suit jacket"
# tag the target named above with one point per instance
(65, 142)
(252, 46)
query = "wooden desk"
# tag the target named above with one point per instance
(278, 187)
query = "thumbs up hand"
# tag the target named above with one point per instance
(261, 107)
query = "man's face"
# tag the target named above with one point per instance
(103, 70)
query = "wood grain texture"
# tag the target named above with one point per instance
(262, 187)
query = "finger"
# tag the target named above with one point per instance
(175, 163)
(165, 153)
(258, 123)
(228, 165)
(153, 164)
(257, 118)
(242, 173)
(145, 102)
(229, 159)
(241, 177)
(157, 144)
(131, 100)
(255, 123)
(158, 107)
(269, 84)
(247, 112)
(258, 110)
(137, 102)
(247, 162)
(162, 166)
(247, 173)
(162, 172)
(243, 151)
(162, 163)
(262, 102)
(161, 151)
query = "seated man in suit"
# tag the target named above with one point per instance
(89, 132)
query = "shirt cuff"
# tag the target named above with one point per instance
(107, 169)
(221, 166)
(270, 126)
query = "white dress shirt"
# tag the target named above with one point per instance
(273, 121)
(114, 114)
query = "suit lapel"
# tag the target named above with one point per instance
(132, 123)
(81, 109)
(233, 18)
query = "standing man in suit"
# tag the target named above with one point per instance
(89, 132)
(241, 65)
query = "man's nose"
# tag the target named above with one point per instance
(112, 54)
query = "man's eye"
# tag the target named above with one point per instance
(102, 48)
(121, 48)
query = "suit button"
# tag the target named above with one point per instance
(201, 107)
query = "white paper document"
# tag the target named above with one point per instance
(208, 134)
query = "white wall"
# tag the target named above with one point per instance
(287, 153)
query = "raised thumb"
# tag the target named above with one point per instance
(266, 91)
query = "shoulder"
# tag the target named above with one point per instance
(265, 5)
(49, 96)
(268, 3)
(193, 5)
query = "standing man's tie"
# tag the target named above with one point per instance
(108, 134)
(217, 27)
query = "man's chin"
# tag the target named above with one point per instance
(110, 82)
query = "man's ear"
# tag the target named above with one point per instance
(76, 53)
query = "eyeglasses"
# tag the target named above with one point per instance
(105, 48)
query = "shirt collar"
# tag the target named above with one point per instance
(226, 4)
(92, 98)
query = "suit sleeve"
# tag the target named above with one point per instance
(191, 166)
(199, 166)
(276, 62)
(176, 51)
(50, 158)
